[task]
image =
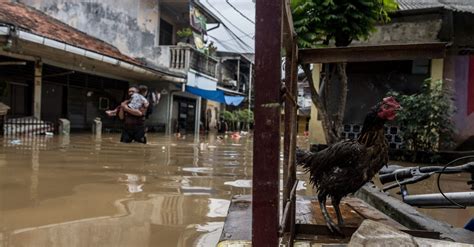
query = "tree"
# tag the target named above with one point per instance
(245, 117)
(230, 118)
(319, 23)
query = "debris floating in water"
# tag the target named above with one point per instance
(15, 142)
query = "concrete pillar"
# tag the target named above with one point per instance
(37, 89)
(316, 133)
(437, 68)
(198, 117)
(170, 126)
(97, 127)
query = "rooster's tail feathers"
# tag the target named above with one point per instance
(303, 157)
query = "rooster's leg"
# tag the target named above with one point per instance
(331, 225)
(335, 204)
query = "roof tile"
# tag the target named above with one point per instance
(455, 5)
(37, 22)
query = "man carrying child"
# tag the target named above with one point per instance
(132, 112)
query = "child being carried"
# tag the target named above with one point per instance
(136, 101)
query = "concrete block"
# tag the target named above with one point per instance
(372, 233)
(97, 126)
(64, 126)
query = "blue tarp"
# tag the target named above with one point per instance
(233, 100)
(217, 95)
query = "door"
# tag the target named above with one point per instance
(77, 107)
(186, 113)
(51, 102)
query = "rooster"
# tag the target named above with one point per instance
(344, 167)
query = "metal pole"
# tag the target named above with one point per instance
(238, 75)
(250, 86)
(266, 150)
(288, 125)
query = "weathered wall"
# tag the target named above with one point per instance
(463, 30)
(459, 76)
(407, 30)
(131, 26)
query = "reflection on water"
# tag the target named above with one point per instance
(83, 191)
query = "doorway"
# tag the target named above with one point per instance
(51, 102)
(186, 114)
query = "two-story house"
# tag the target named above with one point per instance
(74, 59)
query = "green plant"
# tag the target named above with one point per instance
(210, 49)
(185, 32)
(426, 117)
(317, 22)
(228, 116)
(320, 22)
(245, 117)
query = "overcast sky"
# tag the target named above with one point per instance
(239, 25)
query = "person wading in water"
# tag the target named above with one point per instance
(133, 120)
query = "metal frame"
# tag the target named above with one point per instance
(274, 31)
(265, 189)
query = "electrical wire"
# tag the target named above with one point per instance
(228, 29)
(233, 39)
(223, 17)
(241, 44)
(237, 39)
(238, 11)
(226, 46)
(439, 177)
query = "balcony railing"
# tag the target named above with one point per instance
(185, 58)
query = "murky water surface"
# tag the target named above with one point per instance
(83, 191)
(80, 191)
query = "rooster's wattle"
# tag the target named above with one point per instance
(344, 167)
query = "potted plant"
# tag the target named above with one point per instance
(211, 49)
(184, 35)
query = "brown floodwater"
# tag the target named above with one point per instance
(82, 191)
(87, 191)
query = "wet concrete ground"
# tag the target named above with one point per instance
(83, 191)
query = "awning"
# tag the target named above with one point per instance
(216, 95)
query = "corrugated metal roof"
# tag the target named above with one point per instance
(454, 5)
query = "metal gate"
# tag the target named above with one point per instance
(16, 126)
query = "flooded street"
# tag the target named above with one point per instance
(82, 191)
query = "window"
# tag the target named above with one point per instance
(103, 103)
(166, 33)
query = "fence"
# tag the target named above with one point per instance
(183, 58)
(14, 126)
